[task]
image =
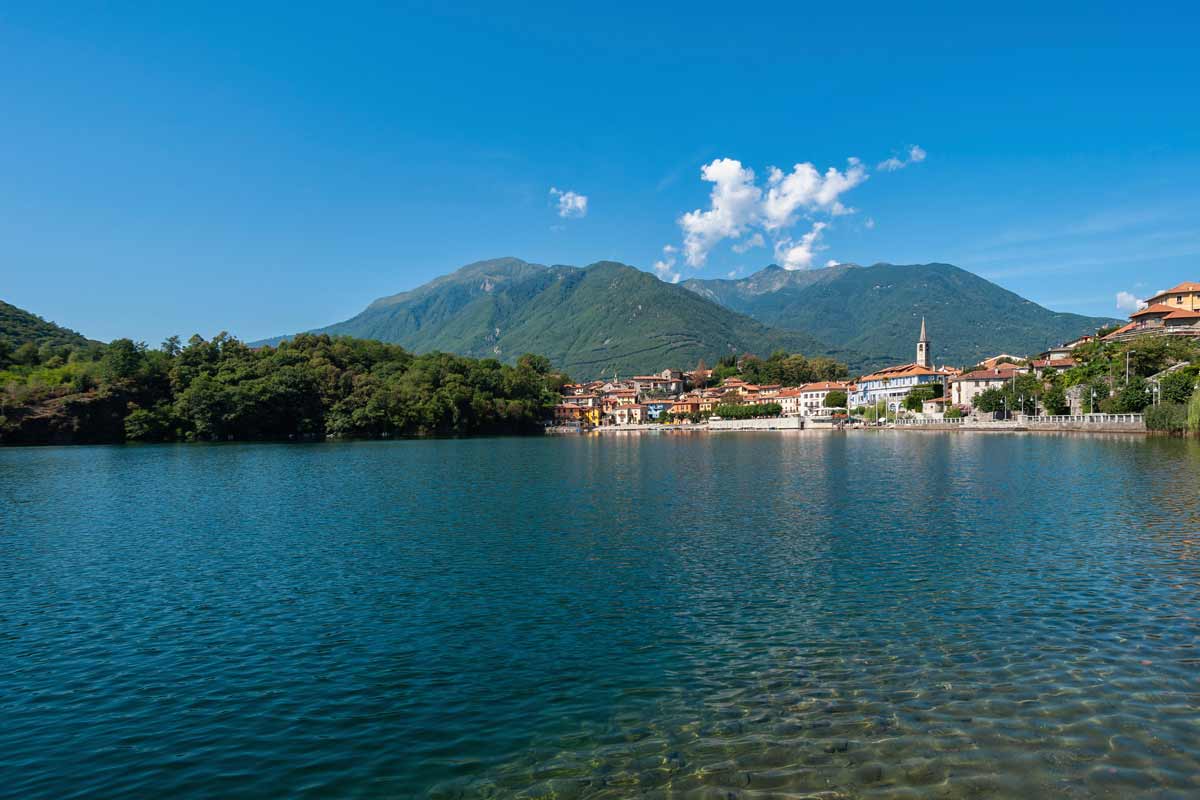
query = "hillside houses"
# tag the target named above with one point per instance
(678, 397)
(1174, 312)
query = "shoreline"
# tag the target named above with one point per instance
(1126, 426)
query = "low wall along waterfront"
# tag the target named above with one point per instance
(765, 424)
(1107, 423)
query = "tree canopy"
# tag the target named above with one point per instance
(310, 387)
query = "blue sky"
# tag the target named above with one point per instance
(265, 170)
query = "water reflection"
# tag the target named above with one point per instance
(775, 615)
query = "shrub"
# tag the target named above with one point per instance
(1193, 413)
(1168, 417)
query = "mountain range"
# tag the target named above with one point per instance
(601, 319)
(876, 311)
(609, 317)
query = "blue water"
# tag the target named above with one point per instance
(736, 616)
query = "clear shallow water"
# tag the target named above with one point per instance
(745, 616)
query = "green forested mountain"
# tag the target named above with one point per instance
(877, 310)
(18, 326)
(588, 321)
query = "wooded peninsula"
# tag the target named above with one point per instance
(311, 387)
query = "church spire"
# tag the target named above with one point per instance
(923, 359)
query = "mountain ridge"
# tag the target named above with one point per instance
(603, 318)
(19, 326)
(876, 310)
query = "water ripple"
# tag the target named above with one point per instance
(774, 616)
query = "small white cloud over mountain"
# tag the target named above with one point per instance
(571, 205)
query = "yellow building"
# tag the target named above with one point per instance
(1186, 296)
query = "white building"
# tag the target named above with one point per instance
(812, 396)
(888, 386)
(965, 388)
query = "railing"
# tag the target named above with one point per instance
(1086, 419)
(1028, 419)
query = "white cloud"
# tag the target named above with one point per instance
(916, 154)
(833, 262)
(664, 268)
(749, 244)
(570, 204)
(805, 189)
(733, 208)
(1128, 302)
(753, 215)
(793, 254)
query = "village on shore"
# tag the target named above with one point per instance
(916, 393)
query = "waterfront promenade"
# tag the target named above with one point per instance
(1078, 423)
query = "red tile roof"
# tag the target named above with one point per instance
(1157, 308)
(824, 386)
(988, 375)
(903, 370)
(1183, 313)
(1186, 286)
(1123, 329)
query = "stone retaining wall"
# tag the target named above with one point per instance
(768, 424)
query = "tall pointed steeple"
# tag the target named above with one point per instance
(923, 358)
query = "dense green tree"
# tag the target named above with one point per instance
(27, 355)
(990, 400)
(155, 424)
(835, 399)
(915, 399)
(1054, 400)
(1177, 387)
(1129, 399)
(747, 412)
(309, 387)
(122, 360)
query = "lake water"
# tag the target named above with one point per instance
(734, 616)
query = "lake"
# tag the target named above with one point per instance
(870, 614)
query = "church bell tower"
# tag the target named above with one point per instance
(923, 359)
